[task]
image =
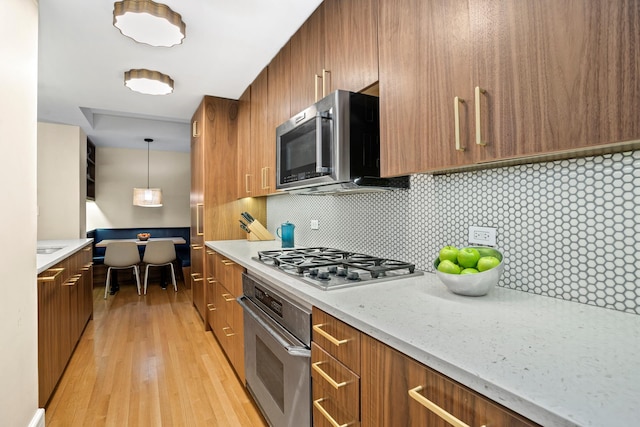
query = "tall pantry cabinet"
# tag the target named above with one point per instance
(215, 209)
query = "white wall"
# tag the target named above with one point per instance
(62, 181)
(119, 170)
(18, 293)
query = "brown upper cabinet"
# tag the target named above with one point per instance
(336, 48)
(513, 79)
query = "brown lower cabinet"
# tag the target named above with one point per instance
(65, 305)
(224, 316)
(384, 387)
(398, 391)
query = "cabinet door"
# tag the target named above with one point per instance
(387, 378)
(424, 65)
(246, 180)
(558, 75)
(262, 155)
(197, 206)
(351, 45)
(307, 57)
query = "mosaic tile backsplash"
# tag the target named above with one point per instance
(568, 229)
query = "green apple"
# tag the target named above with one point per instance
(448, 267)
(487, 263)
(469, 271)
(468, 257)
(449, 253)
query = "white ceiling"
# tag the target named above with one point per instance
(83, 57)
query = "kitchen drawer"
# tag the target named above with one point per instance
(327, 413)
(337, 338)
(334, 381)
(229, 274)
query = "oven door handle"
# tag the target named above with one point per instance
(275, 331)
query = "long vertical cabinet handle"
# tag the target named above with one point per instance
(315, 84)
(324, 82)
(199, 228)
(479, 140)
(194, 129)
(414, 393)
(246, 183)
(456, 117)
(265, 178)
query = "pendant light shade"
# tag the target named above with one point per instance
(148, 82)
(147, 197)
(148, 22)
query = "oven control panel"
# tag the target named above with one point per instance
(270, 302)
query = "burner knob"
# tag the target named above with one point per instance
(323, 275)
(333, 269)
(313, 272)
(342, 272)
(353, 275)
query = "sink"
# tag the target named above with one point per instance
(47, 250)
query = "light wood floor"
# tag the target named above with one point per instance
(147, 361)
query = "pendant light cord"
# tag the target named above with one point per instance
(149, 141)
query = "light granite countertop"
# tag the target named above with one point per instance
(67, 247)
(556, 362)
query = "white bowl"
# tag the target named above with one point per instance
(474, 285)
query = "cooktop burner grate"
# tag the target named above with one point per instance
(332, 268)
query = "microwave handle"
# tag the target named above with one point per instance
(319, 163)
(319, 143)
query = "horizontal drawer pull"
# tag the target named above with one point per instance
(197, 247)
(210, 253)
(227, 262)
(211, 307)
(415, 395)
(326, 414)
(316, 367)
(211, 280)
(57, 271)
(195, 278)
(331, 338)
(228, 297)
(227, 328)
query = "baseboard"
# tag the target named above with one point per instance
(38, 418)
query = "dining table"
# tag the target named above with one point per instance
(163, 277)
(176, 241)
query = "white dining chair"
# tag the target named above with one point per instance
(157, 254)
(119, 256)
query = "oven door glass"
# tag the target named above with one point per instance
(305, 151)
(277, 369)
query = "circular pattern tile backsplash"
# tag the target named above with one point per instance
(569, 229)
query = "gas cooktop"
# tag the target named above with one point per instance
(328, 268)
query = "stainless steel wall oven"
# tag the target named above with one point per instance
(277, 334)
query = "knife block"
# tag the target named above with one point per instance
(259, 232)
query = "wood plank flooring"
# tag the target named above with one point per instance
(147, 361)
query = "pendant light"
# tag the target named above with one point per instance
(147, 197)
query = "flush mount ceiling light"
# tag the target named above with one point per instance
(147, 197)
(148, 82)
(150, 23)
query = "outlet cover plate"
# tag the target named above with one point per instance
(484, 236)
(314, 224)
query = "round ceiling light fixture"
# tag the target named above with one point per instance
(148, 82)
(148, 22)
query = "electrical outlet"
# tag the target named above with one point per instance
(485, 236)
(314, 224)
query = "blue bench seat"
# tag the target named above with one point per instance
(183, 252)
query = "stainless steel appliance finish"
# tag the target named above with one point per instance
(333, 146)
(328, 268)
(277, 340)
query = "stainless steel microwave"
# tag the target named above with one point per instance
(334, 145)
